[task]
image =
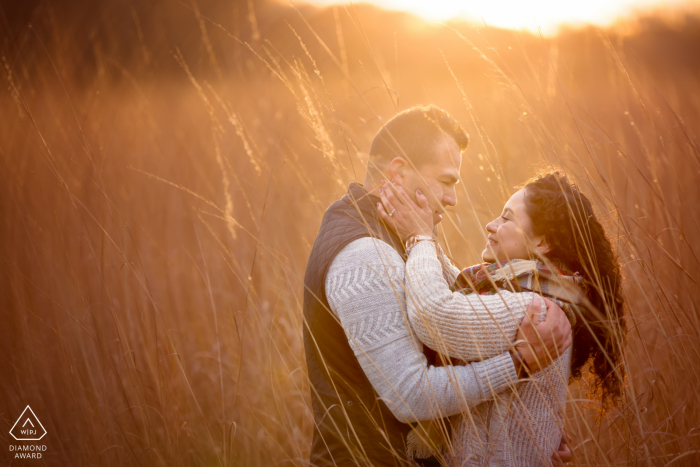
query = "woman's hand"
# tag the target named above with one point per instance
(407, 217)
(562, 455)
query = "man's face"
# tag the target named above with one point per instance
(437, 178)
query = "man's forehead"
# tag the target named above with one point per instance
(448, 158)
(450, 151)
(445, 160)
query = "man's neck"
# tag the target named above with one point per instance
(373, 182)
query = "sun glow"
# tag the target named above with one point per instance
(544, 15)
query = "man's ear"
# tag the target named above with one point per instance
(398, 167)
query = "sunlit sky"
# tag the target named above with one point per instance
(530, 14)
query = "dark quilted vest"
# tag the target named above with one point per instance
(353, 427)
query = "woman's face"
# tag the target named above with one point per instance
(510, 235)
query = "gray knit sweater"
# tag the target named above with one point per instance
(522, 425)
(365, 289)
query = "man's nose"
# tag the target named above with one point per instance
(449, 199)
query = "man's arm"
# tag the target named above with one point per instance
(365, 289)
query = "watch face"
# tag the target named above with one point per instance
(411, 242)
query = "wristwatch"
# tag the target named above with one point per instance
(413, 241)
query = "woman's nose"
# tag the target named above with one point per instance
(491, 226)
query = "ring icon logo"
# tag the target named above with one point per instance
(28, 427)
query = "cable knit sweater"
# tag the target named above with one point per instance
(522, 425)
(365, 290)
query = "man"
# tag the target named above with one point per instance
(369, 378)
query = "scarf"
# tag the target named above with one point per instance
(556, 283)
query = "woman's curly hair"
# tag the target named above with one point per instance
(561, 213)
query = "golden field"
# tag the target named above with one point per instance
(165, 168)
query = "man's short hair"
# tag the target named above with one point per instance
(412, 134)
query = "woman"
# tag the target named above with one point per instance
(547, 240)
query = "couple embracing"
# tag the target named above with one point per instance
(413, 361)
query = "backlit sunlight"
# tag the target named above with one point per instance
(546, 15)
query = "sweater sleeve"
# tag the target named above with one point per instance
(365, 290)
(449, 270)
(469, 327)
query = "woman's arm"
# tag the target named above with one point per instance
(469, 327)
(365, 290)
(449, 271)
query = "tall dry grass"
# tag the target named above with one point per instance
(165, 167)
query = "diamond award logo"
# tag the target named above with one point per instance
(28, 427)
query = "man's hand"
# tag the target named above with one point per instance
(545, 341)
(562, 455)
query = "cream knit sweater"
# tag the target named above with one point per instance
(522, 426)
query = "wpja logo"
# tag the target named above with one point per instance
(28, 428)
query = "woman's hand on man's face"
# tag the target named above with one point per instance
(408, 218)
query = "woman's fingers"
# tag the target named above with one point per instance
(384, 196)
(562, 455)
(389, 190)
(407, 217)
(422, 201)
(405, 199)
(383, 213)
(420, 204)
